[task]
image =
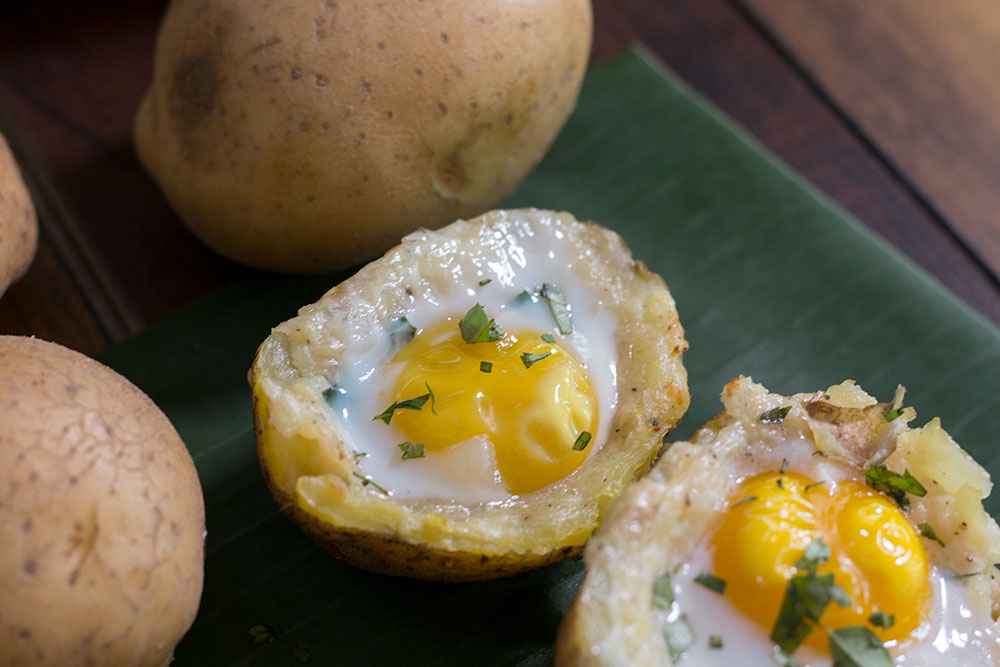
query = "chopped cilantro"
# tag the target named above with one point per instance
(401, 332)
(805, 489)
(780, 482)
(715, 641)
(486, 366)
(928, 532)
(806, 597)
(679, 637)
(531, 358)
(330, 395)
(477, 328)
(430, 392)
(557, 304)
(663, 592)
(524, 296)
(784, 466)
(412, 450)
(485, 281)
(409, 404)
(894, 485)
(783, 659)
(774, 415)
(366, 480)
(880, 619)
(857, 646)
(359, 455)
(582, 441)
(711, 582)
(548, 338)
(893, 414)
(743, 501)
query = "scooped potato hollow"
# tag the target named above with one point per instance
(305, 136)
(102, 522)
(590, 396)
(719, 554)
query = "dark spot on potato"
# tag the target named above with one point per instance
(29, 567)
(322, 81)
(483, 559)
(194, 91)
(23, 633)
(310, 198)
(418, 73)
(72, 480)
(366, 88)
(443, 108)
(444, 38)
(303, 127)
(266, 44)
(380, 46)
(27, 526)
(320, 35)
(388, 114)
(296, 73)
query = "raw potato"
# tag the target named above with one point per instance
(657, 523)
(308, 460)
(305, 136)
(18, 225)
(102, 520)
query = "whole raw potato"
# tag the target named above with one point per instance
(18, 224)
(305, 136)
(102, 521)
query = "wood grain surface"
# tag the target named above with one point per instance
(114, 258)
(921, 79)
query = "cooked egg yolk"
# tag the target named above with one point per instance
(532, 409)
(876, 555)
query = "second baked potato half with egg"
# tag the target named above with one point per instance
(469, 405)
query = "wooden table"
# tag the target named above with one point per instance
(889, 107)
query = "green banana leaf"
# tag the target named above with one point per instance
(771, 279)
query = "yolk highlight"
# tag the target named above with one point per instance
(876, 555)
(531, 415)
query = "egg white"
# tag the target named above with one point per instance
(949, 635)
(467, 472)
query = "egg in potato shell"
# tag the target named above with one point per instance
(810, 530)
(469, 405)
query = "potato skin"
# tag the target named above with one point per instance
(18, 223)
(102, 519)
(307, 136)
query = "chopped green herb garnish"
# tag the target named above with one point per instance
(880, 619)
(711, 582)
(430, 392)
(477, 328)
(486, 366)
(741, 501)
(805, 489)
(331, 394)
(857, 646)
(548, 338)
(365, 481)
(780, 482)
(774, 415)
(663, 592)
(893, 414)
(679, 637)
(806, 597)
(485, 281)
(894, 485)
(531, 358)
(966, 575)
(359, 455)
(557, 304)
(264, 633)
(582, 441)
(927, 531)
(401, 332)
(715, 641)
(784, 466)
(412, 450)
(524, 296)
(409, 404)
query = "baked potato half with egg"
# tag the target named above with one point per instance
(795, 530)
(469, 405)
